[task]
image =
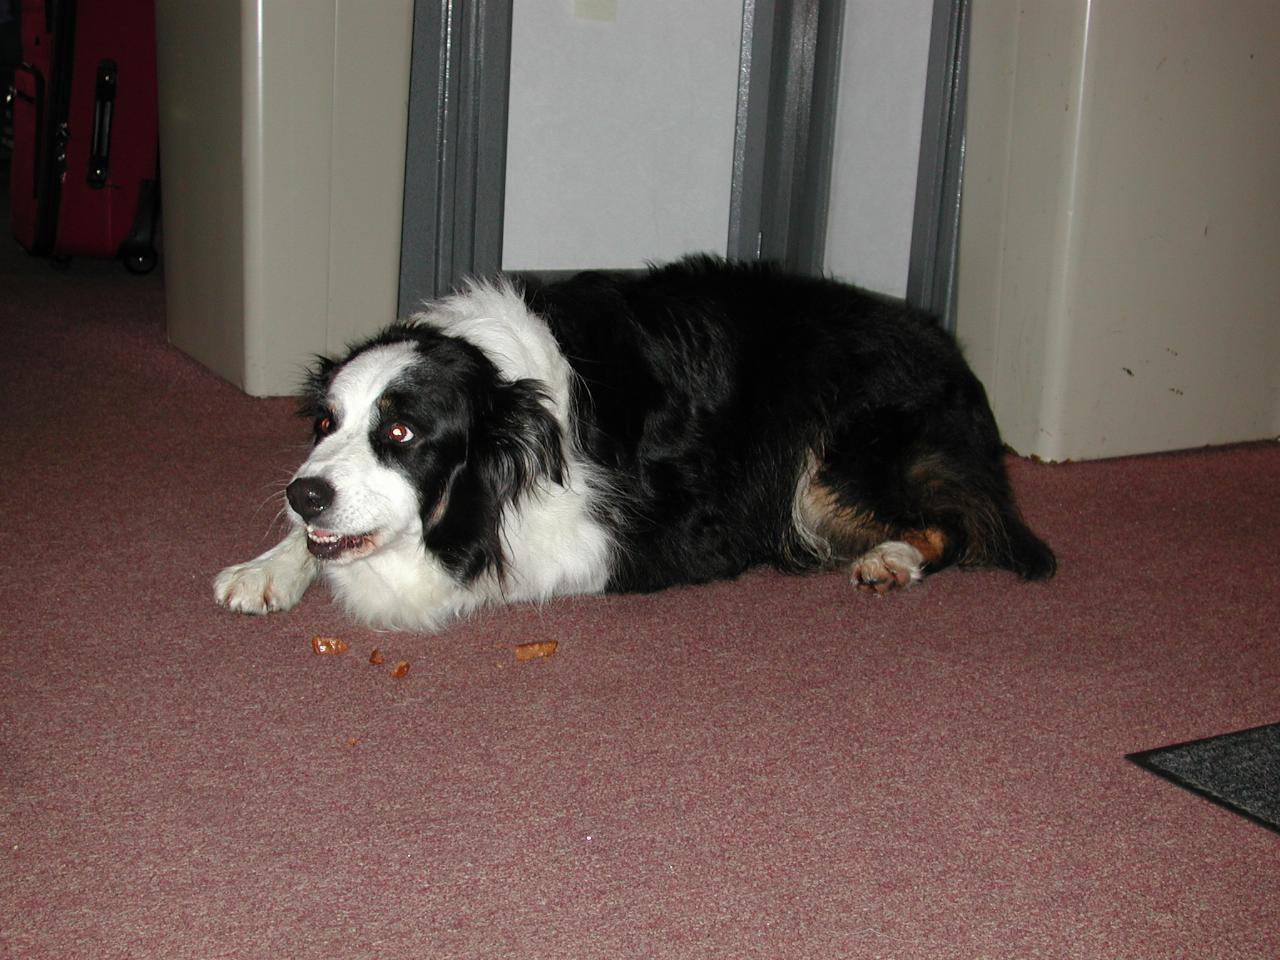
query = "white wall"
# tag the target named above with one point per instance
(884, 60)
(620, 141)
(620, 137)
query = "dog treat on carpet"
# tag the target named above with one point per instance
(539, 648)
(328, 645)
(376, 657)
(400, 669)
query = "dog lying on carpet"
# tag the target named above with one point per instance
(617, 432)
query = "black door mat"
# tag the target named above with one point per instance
(1240, 771)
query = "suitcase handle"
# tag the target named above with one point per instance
(36, 101)
(104, 103)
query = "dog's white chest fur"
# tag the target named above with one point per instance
(555, 548)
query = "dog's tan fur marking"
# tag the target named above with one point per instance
(837, 531)
(930, 542)
(944, 490)
(883, 557)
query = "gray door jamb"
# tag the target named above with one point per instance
(455, 154)
(935, 236)
(788, 73)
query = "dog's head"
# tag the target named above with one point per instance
(419, 437)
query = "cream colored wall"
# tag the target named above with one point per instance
(283, 179)
(1118, 289)
(202, 180)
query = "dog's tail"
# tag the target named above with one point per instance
(976, 510)
(1022, 551)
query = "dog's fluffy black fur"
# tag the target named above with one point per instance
(705, 387)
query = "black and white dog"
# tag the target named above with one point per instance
(628, 432)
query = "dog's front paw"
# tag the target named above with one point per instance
(274, 581)
(888, 566)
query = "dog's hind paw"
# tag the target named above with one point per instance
(888, 566)
(274, 581)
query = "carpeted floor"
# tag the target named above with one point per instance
(772, 767)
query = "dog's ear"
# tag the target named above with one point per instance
(315, 386)
(521, 442)
(515, 443)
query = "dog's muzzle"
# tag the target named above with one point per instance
(310, 497)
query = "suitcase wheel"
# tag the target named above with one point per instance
(139, 262)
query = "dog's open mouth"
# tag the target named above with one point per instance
(327, 545)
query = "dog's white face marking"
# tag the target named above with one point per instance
(373, 504)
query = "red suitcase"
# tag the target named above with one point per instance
(83, 177)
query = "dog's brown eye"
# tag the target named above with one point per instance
(399, 433)
(324, 425)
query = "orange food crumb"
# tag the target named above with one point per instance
(328, 645)
(539, 648)
(376, 657)
(400, 669)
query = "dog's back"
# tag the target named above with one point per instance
(749, 416)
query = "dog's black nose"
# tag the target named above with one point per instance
(309, 496)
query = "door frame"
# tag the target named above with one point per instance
(788, 76)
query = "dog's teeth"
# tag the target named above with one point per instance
(317, 537)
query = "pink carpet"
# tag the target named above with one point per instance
(772, 767)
